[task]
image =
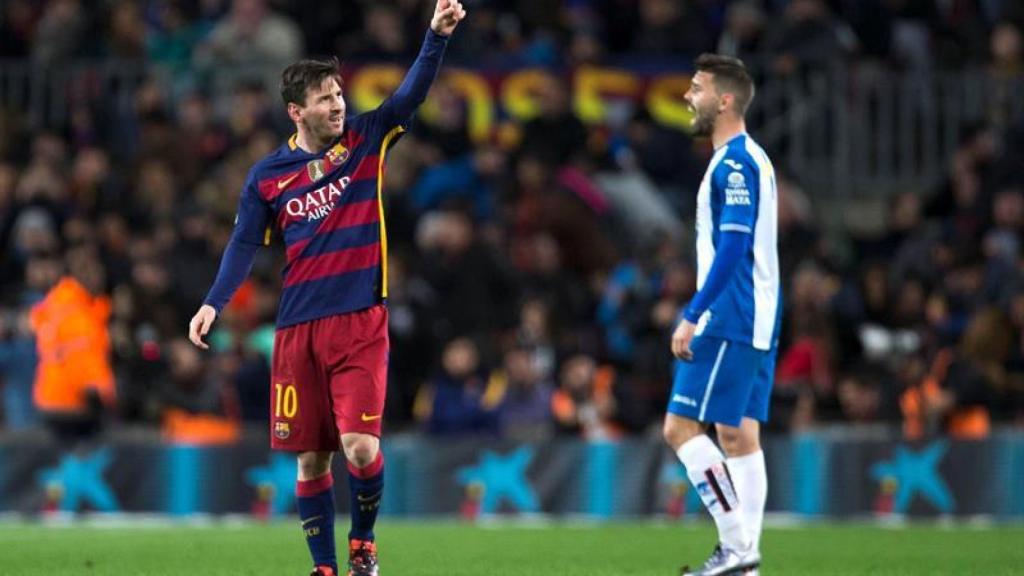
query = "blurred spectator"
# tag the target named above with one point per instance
(629, 292)
(962, 388)
(555, 135)
(584, 402)
(251, 34)
(471, 281)
(804, 373)
(411, 303)
(126, 31)
(60, 33)
(18, 357)
(1007, 46)
(17, 23)
(174, 35)
(448, 129)
(74, 380)
(744, 30)
(460, 398)
(544, 272)
(525, 409)
(542, 203)
(808, 39)
(537, 336)
(196, 405)
(671, 28)
(1007, 66)
(469, 179)
(383, 37)
(865, 396)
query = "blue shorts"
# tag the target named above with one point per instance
(724, 382)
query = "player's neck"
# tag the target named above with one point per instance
(307, 143)
(726, 130)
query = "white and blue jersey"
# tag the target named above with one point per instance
(737, 308)
(738, 195)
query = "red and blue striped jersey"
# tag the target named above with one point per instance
(328, 209)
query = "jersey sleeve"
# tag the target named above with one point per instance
(397, 110)
(728, 255)
(254, 214)
(251, 231)
(736, 181)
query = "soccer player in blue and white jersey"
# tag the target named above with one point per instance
(726, 340)
(322, 193)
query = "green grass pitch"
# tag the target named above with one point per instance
(453, 549)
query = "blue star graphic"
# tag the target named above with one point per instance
(502, 477)
(81, 479)
(279, 473)
(916, 472)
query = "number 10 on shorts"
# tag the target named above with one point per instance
(286, 400)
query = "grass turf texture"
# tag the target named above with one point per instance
(450, 549)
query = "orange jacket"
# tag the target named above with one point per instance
(181, 427)
(74, 348)
(964, 423)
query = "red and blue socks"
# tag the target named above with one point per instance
(366, 485)
(315, 500)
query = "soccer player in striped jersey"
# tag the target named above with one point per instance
(726, 340)
(321, 191)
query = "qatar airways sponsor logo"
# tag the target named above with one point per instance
(316, 204)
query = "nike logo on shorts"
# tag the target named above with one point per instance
(368, 417)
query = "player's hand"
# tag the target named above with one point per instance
(681, 339)
(447, 15)
(200, 325)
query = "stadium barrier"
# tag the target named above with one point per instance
(861, 132)
(826, 474)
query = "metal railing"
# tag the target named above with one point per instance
(868, 132)
(847, 132)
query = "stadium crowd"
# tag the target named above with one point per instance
(535, 276)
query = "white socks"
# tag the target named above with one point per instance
(751, 481)
(705, 466)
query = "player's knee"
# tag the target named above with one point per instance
(730, 441)
(361, 449)
(736, 442)
(313, 464)
(677, 431)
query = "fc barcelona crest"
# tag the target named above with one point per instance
(282, 430)
(315, 169)
(337, 154)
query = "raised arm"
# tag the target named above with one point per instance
(399, 107)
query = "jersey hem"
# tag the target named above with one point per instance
(332, 312)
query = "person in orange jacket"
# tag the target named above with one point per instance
(74, 378)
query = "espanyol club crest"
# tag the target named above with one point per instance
(282, 430)
(337, 154)
(315, 169)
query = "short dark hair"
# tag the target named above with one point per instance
(299, 77)
(729, 75)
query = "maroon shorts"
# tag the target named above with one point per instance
(328, 378)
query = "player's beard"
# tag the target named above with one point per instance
(321, 130)
(703, 121)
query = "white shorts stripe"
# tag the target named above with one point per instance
(711, 379)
